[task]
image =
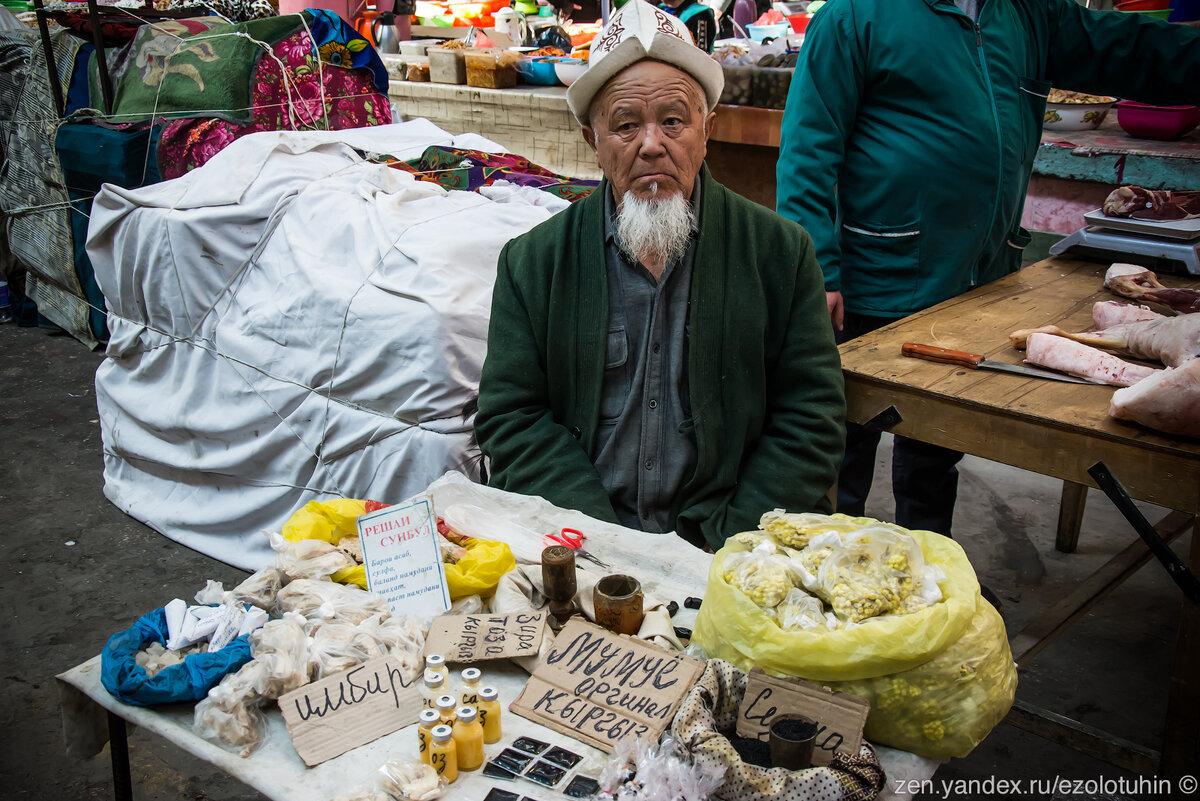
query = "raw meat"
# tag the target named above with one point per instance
(1060, 353)
(1152, 204)
(1168, 401)
(1138, 283)
(1170, 340)
(1107, 313)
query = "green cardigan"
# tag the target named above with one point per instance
(764, 373)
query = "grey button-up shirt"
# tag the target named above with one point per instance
(646, 444)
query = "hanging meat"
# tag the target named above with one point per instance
(1152, 204)
(1138, 283)
(1167, 401)
(1170, 340)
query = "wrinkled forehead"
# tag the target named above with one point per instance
(648, 81)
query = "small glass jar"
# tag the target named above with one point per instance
(489, 714)
(443, 755)
(429, 718)
(472, 683)
(468, 739)
(432, 687)
(446, 704)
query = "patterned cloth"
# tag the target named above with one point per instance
(452, 168)
(33, 196)
(301, 95)
(711, 707)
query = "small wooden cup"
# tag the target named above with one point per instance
(618, 601)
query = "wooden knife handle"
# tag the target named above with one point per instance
(935, 354)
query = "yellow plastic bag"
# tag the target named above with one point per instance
(946, 664)
(477, 573)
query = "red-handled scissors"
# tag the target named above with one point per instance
(572, 538)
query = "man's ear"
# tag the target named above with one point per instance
(709, 122)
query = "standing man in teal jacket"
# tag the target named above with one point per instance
(907, 144)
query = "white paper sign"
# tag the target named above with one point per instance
(403, 561)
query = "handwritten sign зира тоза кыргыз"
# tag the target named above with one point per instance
(597, 686)
(329, 717)
(474, 638)
(403, 561)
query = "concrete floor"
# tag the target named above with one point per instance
(77, 569)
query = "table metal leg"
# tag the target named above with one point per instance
(1181, 738)
(118, 746)
(1070, 516)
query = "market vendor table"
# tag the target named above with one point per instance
(1048, 427)
(91, 716)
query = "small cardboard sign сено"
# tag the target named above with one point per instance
(597, 686)
(403, 561)
(840, 716)
(329, 717)
(474, 638)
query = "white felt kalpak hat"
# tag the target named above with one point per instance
(638, 31)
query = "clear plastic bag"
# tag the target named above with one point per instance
(763, 574)
(280, 648)
(797, 529)
(399, 636)
(326, 600)
(309, 558)
(409, 780)
(799, 610)
(260, 588)
(334, 647)
(229, 714)
(873, 571)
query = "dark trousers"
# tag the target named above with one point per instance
(924, 476)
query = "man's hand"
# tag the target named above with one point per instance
(836, 314)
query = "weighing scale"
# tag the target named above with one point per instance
(1164, 244)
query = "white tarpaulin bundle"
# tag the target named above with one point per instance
(292, 322)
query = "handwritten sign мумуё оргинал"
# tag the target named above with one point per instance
(840, 716)
(329, 717)
(403, 561)
(474, 638)
(597, 686)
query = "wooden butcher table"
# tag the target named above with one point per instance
(1054, 428)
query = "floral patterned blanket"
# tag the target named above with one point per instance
(208, 67)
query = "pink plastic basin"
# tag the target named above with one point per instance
(1156, 122)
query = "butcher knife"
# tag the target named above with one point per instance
(933, 353)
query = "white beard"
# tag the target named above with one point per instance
(658, 227)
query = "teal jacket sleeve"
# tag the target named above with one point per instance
(1130, 56)
(799, 454)
(530, 452)
(821, 108)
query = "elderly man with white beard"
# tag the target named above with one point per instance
(659, 352)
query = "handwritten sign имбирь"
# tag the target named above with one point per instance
(597, 686)
(329, 717)
(403, 561)
(840, 716)
(474, 638)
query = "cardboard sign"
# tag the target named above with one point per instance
(329, 717)
(597, 686)
(474, 638)
(840, 716)
(403, 560)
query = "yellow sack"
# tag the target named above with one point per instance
(938, 679)
(477, 573)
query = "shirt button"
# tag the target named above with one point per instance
(649, 464)
(653, 404)
(655, 347)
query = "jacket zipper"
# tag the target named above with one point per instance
(987, 79)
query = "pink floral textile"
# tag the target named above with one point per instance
(305, 94)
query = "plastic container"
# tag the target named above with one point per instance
(1156, 122)
(1075, 116)
(569, 70)
(739, 85)
(1142, 5)
(491, 69)
(770, 85)
(417, 47)
(417, 70)
(537, 71)
(1158, 13)
(447, 66)
(760, 32)
(799, 22)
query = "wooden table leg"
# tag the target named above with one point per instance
(1181, 738)
(118, 749)
(1070, 516)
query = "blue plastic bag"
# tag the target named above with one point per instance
(190, 680)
